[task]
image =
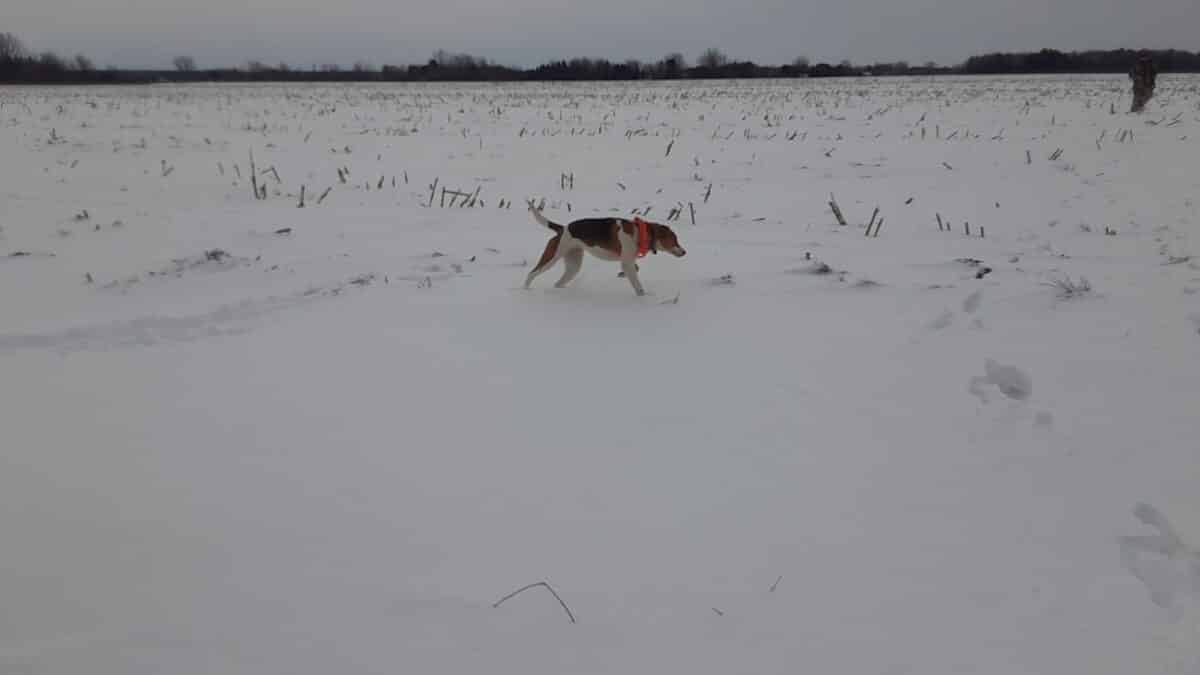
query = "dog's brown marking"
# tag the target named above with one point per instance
(549, 253)
(597, 233)
(665, 236)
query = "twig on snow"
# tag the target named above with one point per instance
(837, 212)
(548, 587)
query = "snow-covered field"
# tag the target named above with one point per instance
(241, 437)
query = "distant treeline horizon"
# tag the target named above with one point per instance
(18, 65)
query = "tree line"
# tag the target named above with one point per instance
(1094, 61)
(21, 65)
(18, 64)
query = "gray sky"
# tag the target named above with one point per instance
(148, 33)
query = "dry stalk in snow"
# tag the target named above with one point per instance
(1069, 288)
(837, 211)
(521, 590)
(253, 176)
(874, 214)
(432, 191)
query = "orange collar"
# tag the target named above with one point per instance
(645, 241)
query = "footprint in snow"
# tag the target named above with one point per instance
(1011, 381)
(943, 321)
(971, 304)
(1164, 564)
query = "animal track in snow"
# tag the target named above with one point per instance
(1162, 561)
(1011, 381)
(215, 260)
(943, 321)
(234, 319)
(971, 304)
(1170, 571)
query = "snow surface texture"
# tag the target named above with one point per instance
(242, 437)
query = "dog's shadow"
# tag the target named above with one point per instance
(593, 296)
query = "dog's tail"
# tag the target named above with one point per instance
(545, 222)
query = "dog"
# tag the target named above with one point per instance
(612, 239)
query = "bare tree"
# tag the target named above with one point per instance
(801, 63)
(712, 58)
(447, 59)
(83, 64)
(11, 48)
(184, 64)
(671, 65)
(52, 61)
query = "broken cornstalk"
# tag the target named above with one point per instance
(547, 586)
(837, 212)
(253, 176)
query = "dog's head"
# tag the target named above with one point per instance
(666, 240)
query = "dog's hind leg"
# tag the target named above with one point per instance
(573, 261)
(549, 257)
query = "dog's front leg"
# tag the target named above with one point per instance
(631, 273)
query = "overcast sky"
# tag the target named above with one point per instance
(148, 33)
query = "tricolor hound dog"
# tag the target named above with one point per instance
(606, 238)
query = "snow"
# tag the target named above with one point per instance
(333, 449)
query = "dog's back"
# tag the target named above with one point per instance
(593, 231)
